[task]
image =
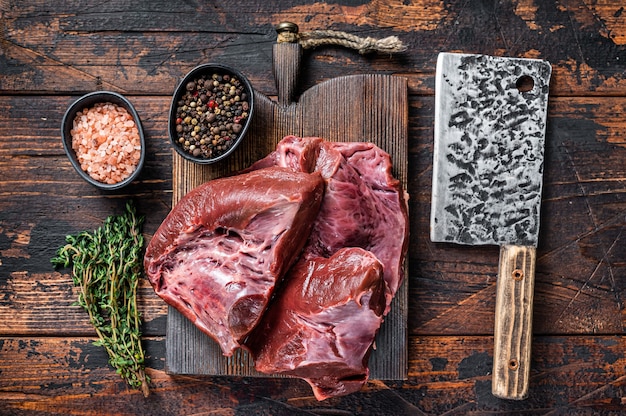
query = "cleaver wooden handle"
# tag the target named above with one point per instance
(513, 322)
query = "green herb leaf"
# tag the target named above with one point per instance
(106, 266)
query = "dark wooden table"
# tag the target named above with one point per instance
(52, 53)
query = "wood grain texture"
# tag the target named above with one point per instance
(69, 376)
(581, 244)
(371, 108)
(513, 322)
(144, 47)
(49, 55)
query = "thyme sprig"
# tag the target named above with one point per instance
(106, 266)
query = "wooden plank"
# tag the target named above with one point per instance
(68, 375)
(582, 247)
(143, 50)
(351, 108)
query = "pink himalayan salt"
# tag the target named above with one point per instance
(106, 141)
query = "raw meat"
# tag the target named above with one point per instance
(323, 323)
(364, 205)
(324, 320)
(220, 252)
(330, 220)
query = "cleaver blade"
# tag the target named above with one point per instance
(490, 122)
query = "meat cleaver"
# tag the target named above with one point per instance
(490, 121)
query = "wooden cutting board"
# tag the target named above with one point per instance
(351, 108)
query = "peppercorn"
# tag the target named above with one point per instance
(211, 114)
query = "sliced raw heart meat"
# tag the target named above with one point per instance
(323, 322)
(364, 205)
(322, 325)
(218, 255)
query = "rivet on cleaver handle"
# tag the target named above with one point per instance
(490, 120)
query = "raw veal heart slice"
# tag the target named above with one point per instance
(322, 325)
(222, 249)
(364, 205)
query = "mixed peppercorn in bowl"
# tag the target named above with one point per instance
(210, 113)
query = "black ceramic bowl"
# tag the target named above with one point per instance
(87, 101)
(206, 121)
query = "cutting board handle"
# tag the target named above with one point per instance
(513, 322)
(287, 57)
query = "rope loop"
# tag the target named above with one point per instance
(288, 33)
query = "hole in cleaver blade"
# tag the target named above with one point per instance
(490, 121)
